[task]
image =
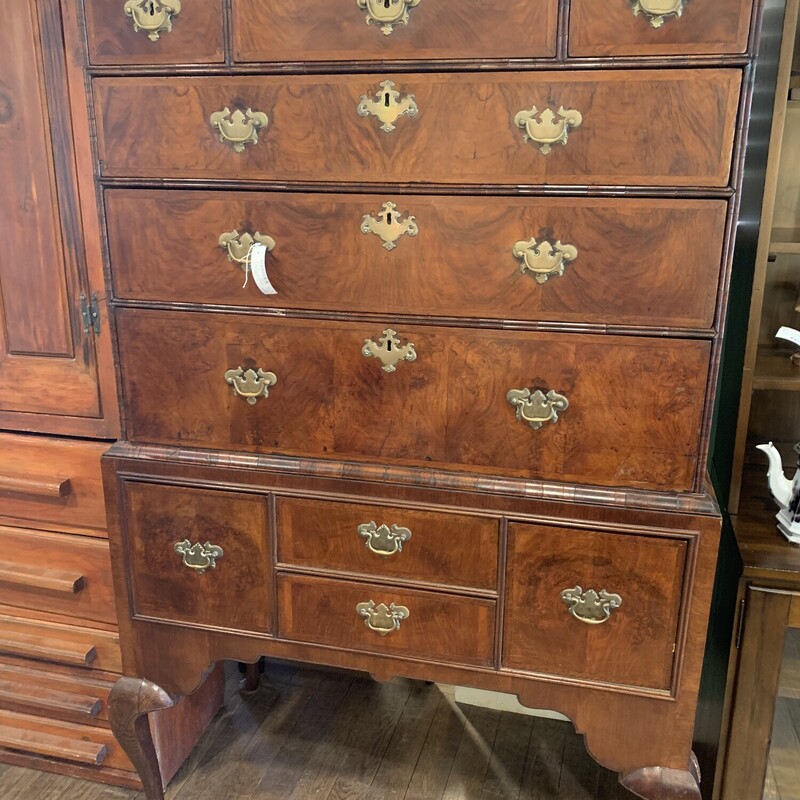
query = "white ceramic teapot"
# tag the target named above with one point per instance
(785, 492)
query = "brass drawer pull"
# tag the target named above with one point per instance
(382, 540)
(199, 557)
(547, 127)
(387, 13)
(250, 384)
(154, 17)
(536, 408)
(388, 350)
(543, 259)
(387, 106)
(381, 618)
(238, 128)
(239, 245)
(657, 10)
(590, 606)
(389, 225)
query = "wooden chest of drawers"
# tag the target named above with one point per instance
(463, 434)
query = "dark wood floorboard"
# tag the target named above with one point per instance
(315, 734)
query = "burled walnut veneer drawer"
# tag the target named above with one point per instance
(155, 31)
(388, 542)
(625, 633)
(367, 617)
(385, 30)
(643, 127)
(658, 27)
(57, 573)
(634, 403)
(198, 556)
(471, 257)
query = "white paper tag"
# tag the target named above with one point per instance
(258, 267)
(789, 335)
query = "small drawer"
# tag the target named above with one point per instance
(52, 483)
(155, 31)
(57, 573)
(658, 27)
(386, 620)
(592, 605)
(198, 556)
(388, 542)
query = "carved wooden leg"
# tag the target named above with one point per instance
(129, 703)
(660, 783)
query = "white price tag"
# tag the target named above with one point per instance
(258, 267)
(789, 335)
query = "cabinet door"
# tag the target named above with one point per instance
(52, 373)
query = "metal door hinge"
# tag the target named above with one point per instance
(740, 623)
(90, 314)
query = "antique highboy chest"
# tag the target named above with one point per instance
(418, 308)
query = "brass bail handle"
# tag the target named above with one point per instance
(250, 384)
(591, 606)
(381, 618)
(238, 128)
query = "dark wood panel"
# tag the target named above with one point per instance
(443, 548)
(633, 420)
(704, 26)
(460, 264)
(438, 627)
(648, 127)
(338, 30)
(236, 593)
(196, 35)
(635, 645)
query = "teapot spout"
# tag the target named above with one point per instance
(779, 485)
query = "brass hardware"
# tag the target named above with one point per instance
(657, 10)
(590, 606)
(389, 225)
(199, 557)
(382, 540)
(238, 128)
(239, 245)
(547, 128)
(543, 259)
(387, 13)
(536, 408)
(154, 17)
(387, 106)
(389, 351)
(381, 618)
(90, 314)
(251, 384)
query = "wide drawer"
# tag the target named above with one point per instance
(471, 257)
(385, 30)
(386, 620)
(593, 605)
(198, 556)
(658, 27)
(52, 483)
(388, 542)
(633, 417)
(150, 32)
(466, 129)
(57, 573)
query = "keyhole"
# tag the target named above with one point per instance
(152, 8)
(386, 3)
(389, 217)
(386, 99)
(389, 346)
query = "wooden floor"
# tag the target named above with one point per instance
(310, 734)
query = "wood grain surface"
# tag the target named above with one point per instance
(640, 261)
(642, 127)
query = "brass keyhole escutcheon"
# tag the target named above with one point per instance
(389, 226)
(387, 13)
(388, 350)
(657, 11)
(153, 17)
(387, 106)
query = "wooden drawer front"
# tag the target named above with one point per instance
(56, 573)
(60, 643)
(624, 138)
(334, 31)
(52, 483)
(704, 26)
(438, 627)
(634, 416)
(87, 746)
(460, 264)
(634, 646)
(195, 37)
(363, 539)
(69, 697)
(235, 592)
